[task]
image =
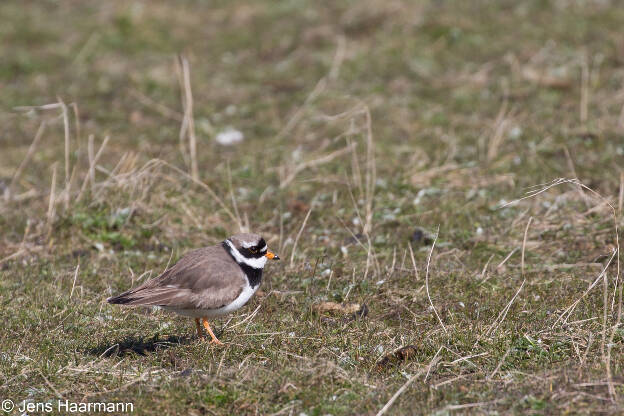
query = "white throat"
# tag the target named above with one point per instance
(253, 262)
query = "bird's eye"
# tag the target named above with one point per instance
(253, 250)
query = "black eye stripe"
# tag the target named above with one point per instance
(256, 251)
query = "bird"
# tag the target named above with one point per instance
(207, 282)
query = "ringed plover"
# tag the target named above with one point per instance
(207, 282)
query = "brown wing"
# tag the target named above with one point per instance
(206, 278)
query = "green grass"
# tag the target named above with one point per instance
(470, 104)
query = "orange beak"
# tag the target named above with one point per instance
(272, 256)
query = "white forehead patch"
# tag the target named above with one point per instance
(247, 244)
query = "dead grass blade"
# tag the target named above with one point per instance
(26, 160)
(544, 79)
(292, 253)
(74, 283)
(524, 240)
(404, 387)
(503, 313)
(314, 163)
(469, 405)
(427, 281)
(499, 365)
(51, 202)
(298, 115)
(67, 190)
(156, 106)
(371, 172)
(188, 125)
(584, 104)
(499, 130)
(565, 315)
(90, 176)
(244, 229)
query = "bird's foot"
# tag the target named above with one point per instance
(214, 339)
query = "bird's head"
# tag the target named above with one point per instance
(250, 249)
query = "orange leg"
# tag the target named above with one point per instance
(200, 334)
(207, 326)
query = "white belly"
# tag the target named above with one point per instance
(240, 301)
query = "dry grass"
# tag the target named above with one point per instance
(382, 143)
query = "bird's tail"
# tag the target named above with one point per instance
(121, 299)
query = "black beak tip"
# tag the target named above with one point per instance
(276, 257)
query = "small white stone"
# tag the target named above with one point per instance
(229, 136)
(389, 216)
(123, 212)
(515, 132)
(297, 154)
(230, 110)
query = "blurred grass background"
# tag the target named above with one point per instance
(380, 122)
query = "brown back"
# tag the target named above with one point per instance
(206, 278)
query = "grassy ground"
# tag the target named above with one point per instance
(380, 123)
